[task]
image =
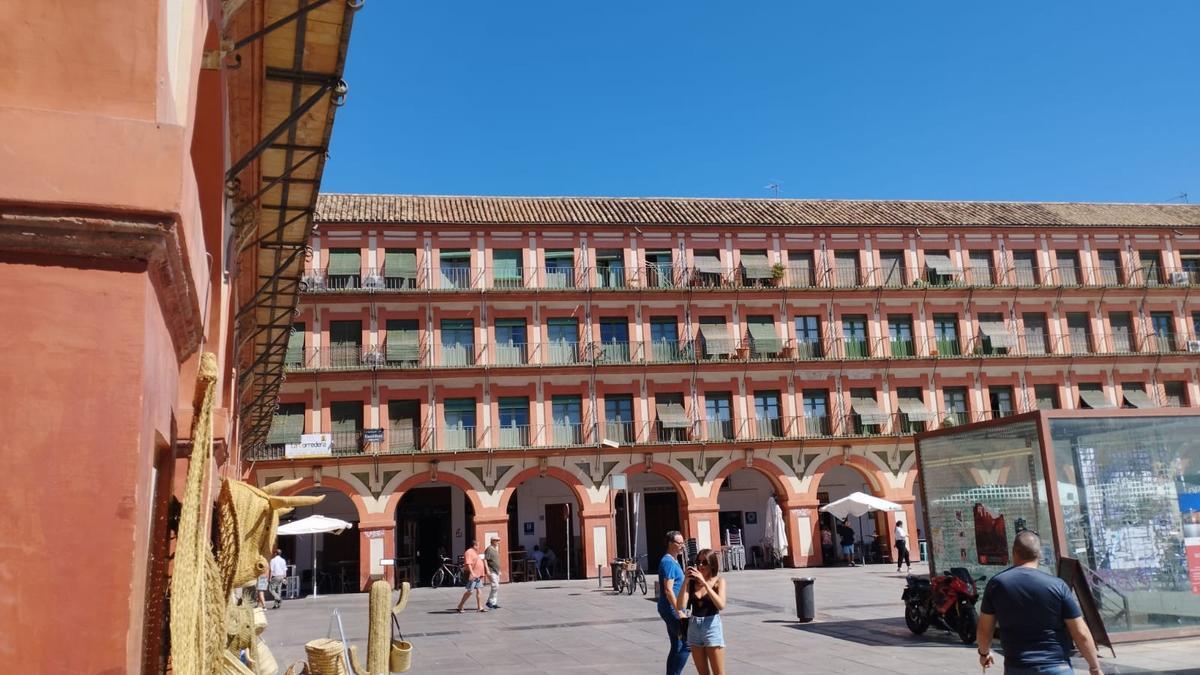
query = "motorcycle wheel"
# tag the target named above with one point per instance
(915, 619)
(966, 623)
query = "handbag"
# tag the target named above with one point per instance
(400, 652)
(683, 627)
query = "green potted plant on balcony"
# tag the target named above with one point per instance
(777, 273)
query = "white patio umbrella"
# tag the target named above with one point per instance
(314, 525)
(858, 504)
(775, 530)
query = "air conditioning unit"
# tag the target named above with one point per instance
(1193, 346)
(1180, 278)
(373, 281)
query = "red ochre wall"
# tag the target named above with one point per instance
(88, 377)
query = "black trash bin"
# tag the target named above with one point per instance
(806, 609)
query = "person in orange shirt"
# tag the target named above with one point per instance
(476, 569)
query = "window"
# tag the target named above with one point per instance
(718, 409)
(560, 268)
(402, 344)
(295, 357)
(1092, 396)
(507, 271)
(708, 270)
(1135, 396)
(458, 342)
(614, 340)
(660, 272)
(459, 414)
(562, 341)
(939, 271)
(1068, 268)
(618, 418)
(287, 425)
(845, 269)
(1151, 271)
(345, 268)
(1079, 331)
(673, 423)
(1175, 394)
(1163, 339)
(400, 268)
(994, 336)
(900, 335)
(1196, 325)
(1001, 401)
(764, 341)
(404, 425)
(346, 418)
(808, 337)
(816, 412)
(891, 270)
(511, 342)
(1025, 268)
(866, 418)
(664, 340)
(945, 333)
(1110, 268)
(1047, 396)
(981, 268)
(954, 402)
(1190, 265)
(801, 271)
(514, 422)
(854, 333)
(1122, 339)
(768, 423)
(567, 413)
(756, 268)
(714, 334)
(914, 414)
(1037, 340)
(455, 268)
(345, 344)
(610, 269)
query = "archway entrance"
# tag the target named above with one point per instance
(838, 482)
(548, 516)
(337, 554)
(432, 521)
(743, 500)
(655, 511)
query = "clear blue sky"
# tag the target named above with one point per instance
(1045, 100)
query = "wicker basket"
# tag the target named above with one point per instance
(325, 657)
(630, 566)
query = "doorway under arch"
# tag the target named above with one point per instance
(432, 520)
(337, 555)
(544, 511)
(742, 501)
(658, 506)
(837, 482)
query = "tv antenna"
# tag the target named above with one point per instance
(1182, 197)
(773, 186)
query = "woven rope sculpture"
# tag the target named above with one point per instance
(248, 517)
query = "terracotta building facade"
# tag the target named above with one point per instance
(488, 365)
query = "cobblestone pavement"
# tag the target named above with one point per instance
(575, 627)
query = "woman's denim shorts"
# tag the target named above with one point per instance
(706, 631)
(474, 584)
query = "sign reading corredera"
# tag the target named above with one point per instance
(310, 445)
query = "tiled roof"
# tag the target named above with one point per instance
(452, 210)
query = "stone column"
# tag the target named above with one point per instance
(703, 525)
(488, 525)
(599, 541)
(376, 541)
(802, 522)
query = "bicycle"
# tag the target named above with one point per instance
(629, 576)
(448, 570)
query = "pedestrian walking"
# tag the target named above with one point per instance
(704, 597)
(492, 555)
(901, 537)
(278, 568)
(475, 569)
(826, 545)
(846, 533)
(670, 579)
(1037, 614)
(260, 588)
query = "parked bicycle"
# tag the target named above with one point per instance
(449, 574)
(628, 576)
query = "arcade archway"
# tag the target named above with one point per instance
(337, 555)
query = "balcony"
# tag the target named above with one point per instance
(719, 430)
(569, 433)
(513, 436)
(460, 437)
(348, 442)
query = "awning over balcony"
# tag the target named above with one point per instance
(766, 341)
(1139, 399)
(1096, 400)
(997, 334)
(916, 410)
(868, 411)
(940, 264)
(707, 263)
(756, 265)
(347, 263)
(403, 343)
(716, 339)
(672, 416)
(400, 264)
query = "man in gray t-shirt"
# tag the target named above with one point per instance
(1038, 617)
(492, 555)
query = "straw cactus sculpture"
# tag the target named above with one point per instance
(379, 635)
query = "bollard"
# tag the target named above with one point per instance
(599, 576)
(805, 604)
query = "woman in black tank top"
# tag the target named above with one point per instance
(703, 594)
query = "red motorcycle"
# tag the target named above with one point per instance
(946, 601)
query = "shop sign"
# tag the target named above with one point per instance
(310, 445)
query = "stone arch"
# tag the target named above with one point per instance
(670, 473)
(576, 486)
(773, 473)
(861, 465)
(394, 497)
(338, 484)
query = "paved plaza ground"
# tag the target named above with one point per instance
(575, 627)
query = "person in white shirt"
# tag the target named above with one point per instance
(537, 560)
(901, 537)
(278, 575)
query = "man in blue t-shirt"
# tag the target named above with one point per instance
(670, 579)
(1038, 617)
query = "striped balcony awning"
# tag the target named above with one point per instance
(998, 334)
(916, 410)
(716, 339)
(756, 265)
(1096, 400)
(940, 264)
(672, 416)
(1139, 399)
(868, 411)
(707, 263)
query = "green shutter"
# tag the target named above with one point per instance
(295, 346)
(288, 424)
(400, 263)
(403, 340)
(455, 254)
(345, 262)
(506, 264)
(345, 417)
